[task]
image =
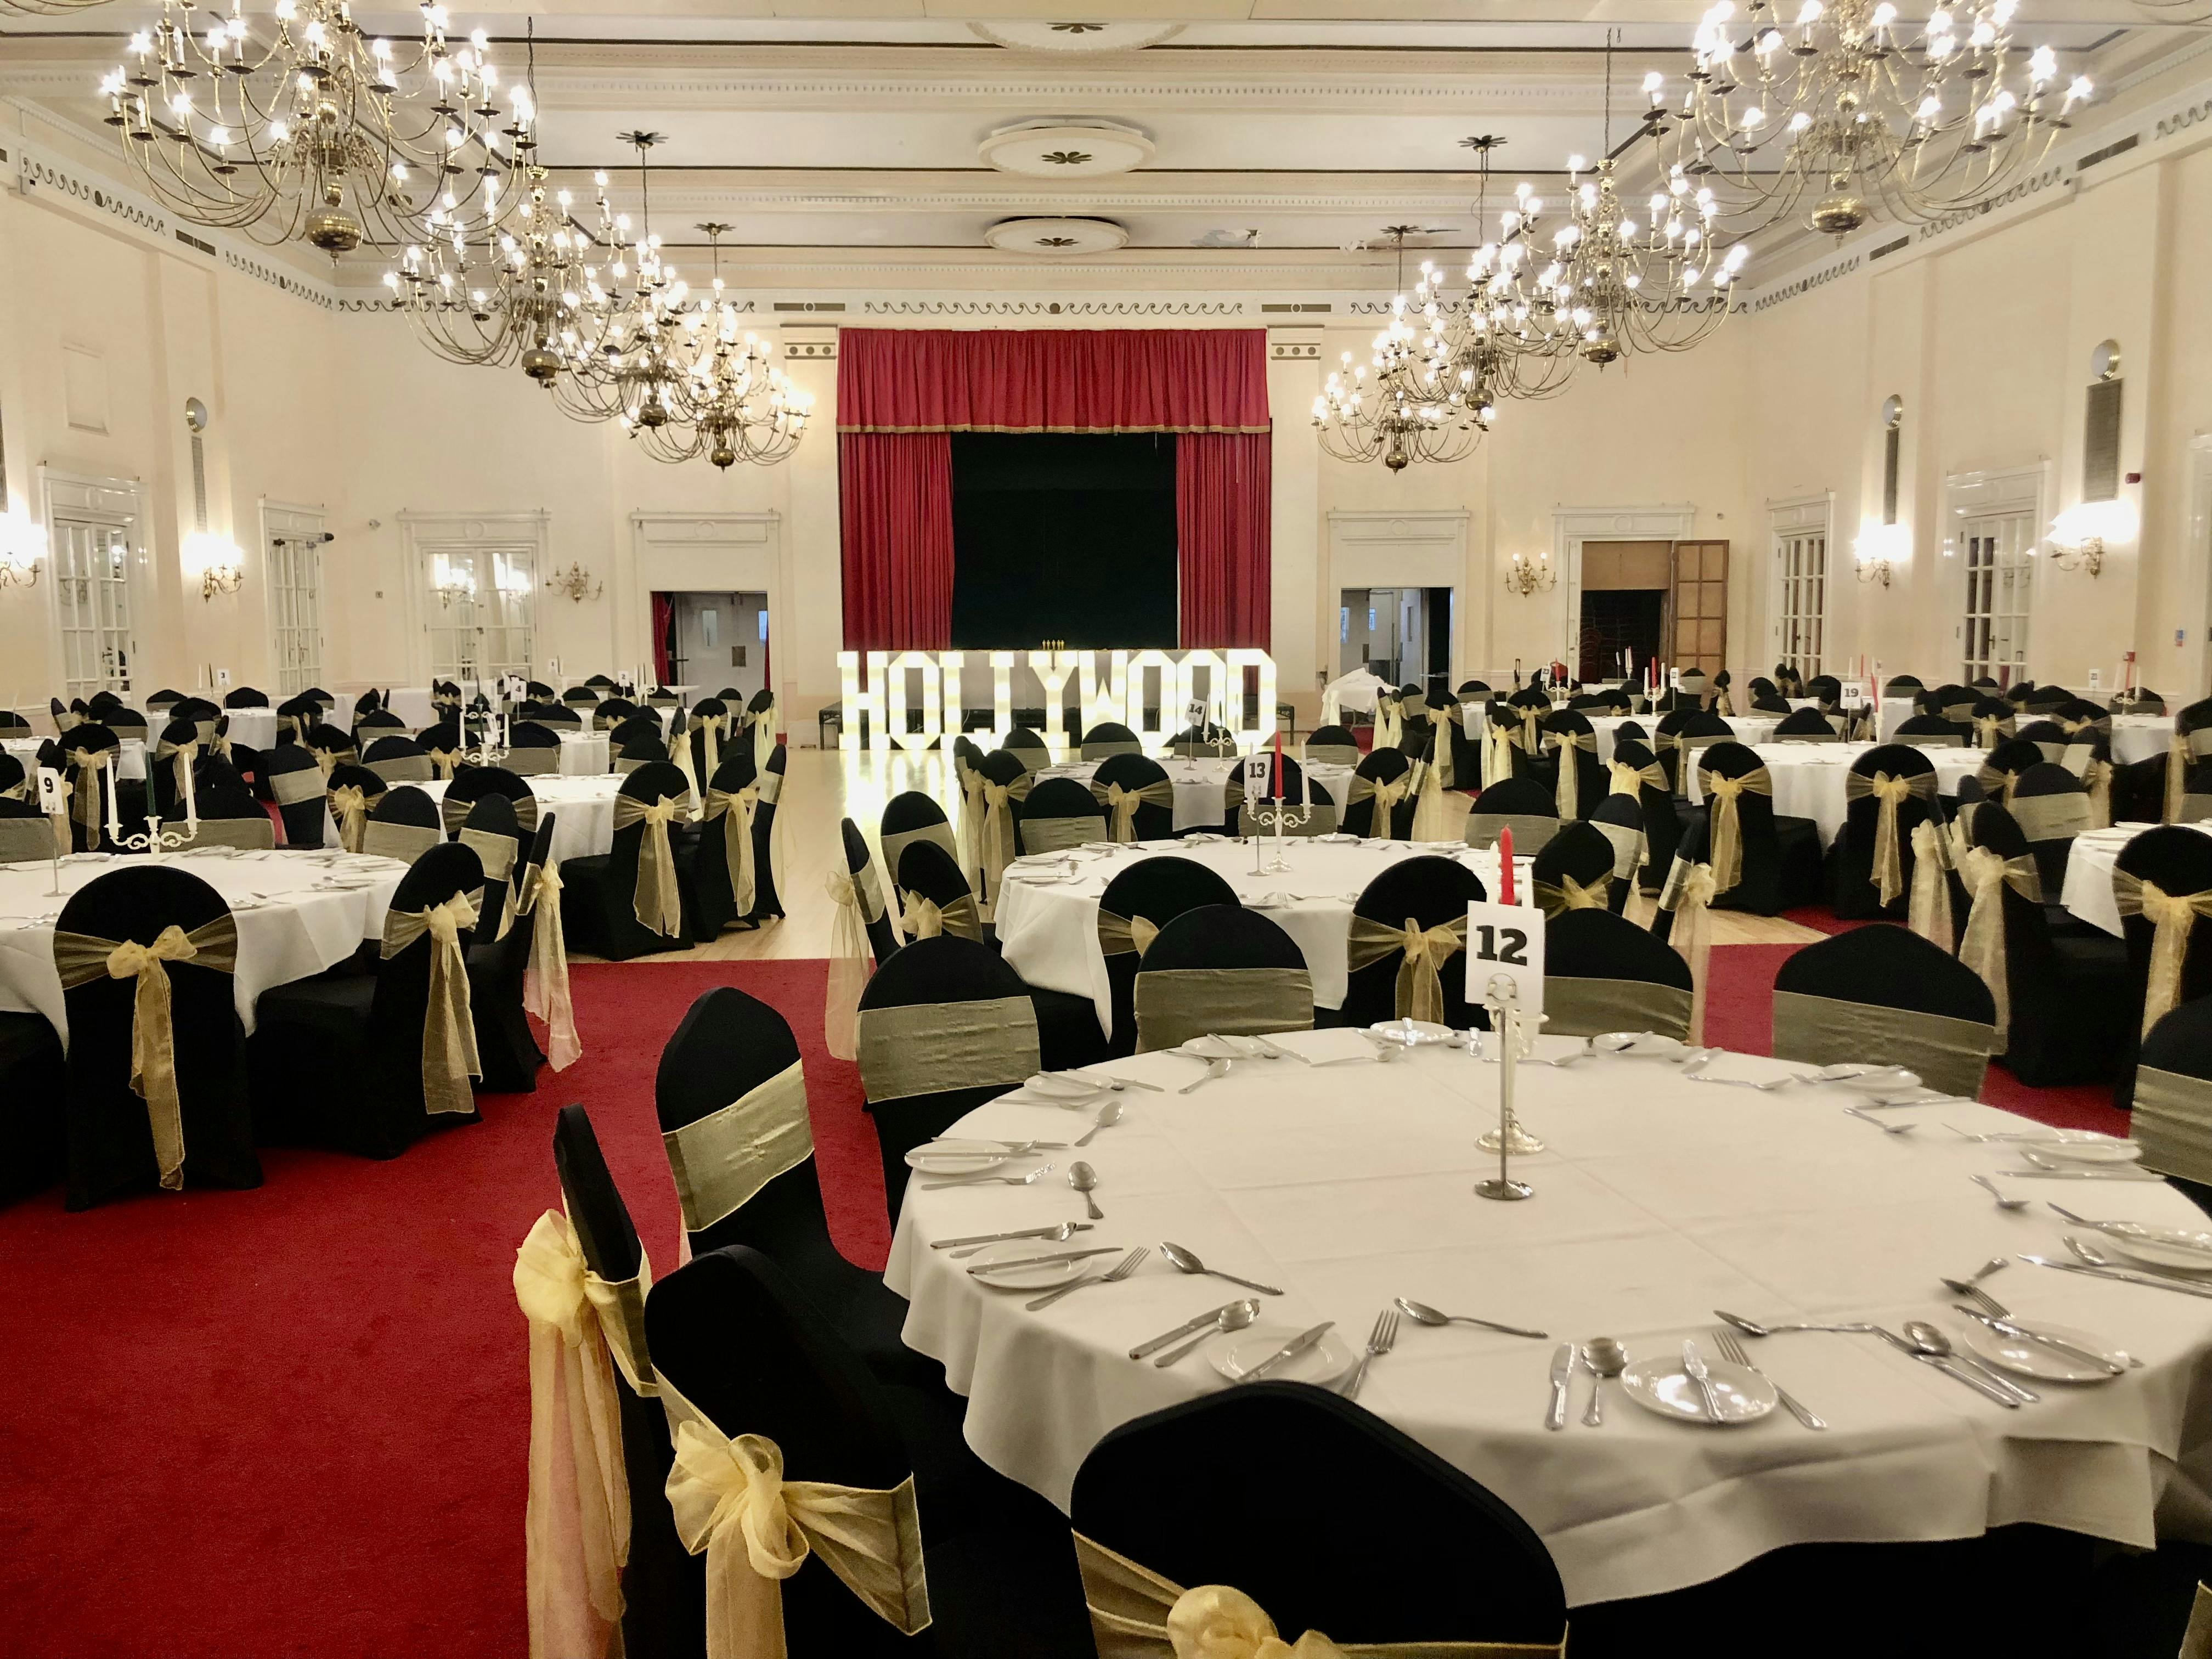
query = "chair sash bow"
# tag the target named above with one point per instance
(1724, 792)
(740, 806)
(1890, 793)
(1569, 746)
(2173, 917)
(859, 902)
(350, 808)
(1985, 875)
(1121, 804)
(449, 1033)
(545, 980)
(657, 901)
(1441, 721)
(1690, 892)
(1421, 991)
(1119, 935)
(1633, 780)
(998, 800)
(1556, 898)
(1991, 729)
(756, 1528)
(444, 762)
(1498, 746)
(84, 791)
(79, 958)
(1385, 793)
(1928, 912)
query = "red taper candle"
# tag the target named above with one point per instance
(1505, 864)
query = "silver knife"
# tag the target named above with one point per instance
(1137, 1083)
(2121, 1275)
(1563, 1368)
(1000, 1238)
(1694, 1363)
(1213, 1315)
(1960, 1373)
(1290, 1350)
(1042, 1261)
(2057, 1344)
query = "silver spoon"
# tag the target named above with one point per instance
(1929, 1339)
(1215, 1070)
(1234, 1317)
(1109, 1115)
(1882, 1124)
(1422, 1314)
(1606, 1358)
(1186, 1260)
(1990, 1187)
(1752, 1328)
(1083, 1178)
(1965, 1286)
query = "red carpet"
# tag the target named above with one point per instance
(293, 1421)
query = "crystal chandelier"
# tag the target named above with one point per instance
(1418, 405)
(626, 349)
(1848, 108)
(733, 404)
(315, 130)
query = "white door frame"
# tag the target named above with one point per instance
(98, 498)
(1787, 519)
(423, 532)
(1662, 522)
(302, 521)
(754, 547)
(1992, 490)
(1421, 548)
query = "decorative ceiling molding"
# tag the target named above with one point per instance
(1073, 39)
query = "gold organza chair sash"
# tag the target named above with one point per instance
(449, 1033)
(721, 1160)
(180, 756)
(657, 900)
(739, 806)
(1420, 990)
(545, 979)
(1121, 805)
(1556, 898)
(733, 1504)
(1690, 892)
(1995, 784)
(859, 902)
(2097, 778)
(1386, 793)
(84, 790)
(350, 807)
(998, 850)
(1532, 831)
(80, 958)
(2174, 918)
(1928, 912)
(1174, 1004)
(1724, 792)
(710, 728)
(444, 762)
(1135, 1613)
(1989, 730)
(1119, 935)
(1441, 722)
(923, 917)
(764, 727)
(2052, 817)
(1389, 726)
(1498, 746)
(1569, 746)
(1575, 1006)
(925, 1048)
(1888, 858)
(2172, 1121)
(576, 1525)
(1949, 1055)
(1985, 875)
(1633, 780)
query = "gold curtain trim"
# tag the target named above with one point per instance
(1136, 1613)
(658, 903)
(449, 1033)
(2173, 920)
(1119, 935)
(2172, 1123)
(80, 958)
(1591, 1007)
(720, 1161)
(1949, 1055)
(1419, 989)
(925, 1048)
(1177, 1004)
(1120, 805)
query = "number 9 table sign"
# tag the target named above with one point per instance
(1505, 955)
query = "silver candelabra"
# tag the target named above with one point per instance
(1514, 1034)
(1276, 818)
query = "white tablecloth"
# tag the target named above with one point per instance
(1201, 786)
(1752, 729)
(302, 929)
(2088, 890)
(1048, 934)
(1895, 711)
(1808, 778)
(584, 754)
(26, 750)
(254, 728)
(585, 825)
(2139, 737)
(1658, 1200)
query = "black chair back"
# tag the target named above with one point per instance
(1602, 973)
(473, 783)
(861, 865)
(295, 785)
(1153, 891)
(1221, 970)
(1153, 820)
(1385, 767)
(1574, 870)
(1059, 813)
(929, 875)
(1429, 891)
(1855, 881)
(1884, 994)
(1520, 803)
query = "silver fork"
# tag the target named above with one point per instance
(988, 1180)
(1380, 1342)
(1120, 1270)
(1733, 1351)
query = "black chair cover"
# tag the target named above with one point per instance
(497, 963)
(598, 898)
(2177, 860)
(1223, 939)
(1853, 892)
(1781, 855)
(1159, 890)
(1580, 854)
(767, 903)
(1154, 820)
(1057, 799)
(1430, 891)
(717, 910)
(1390, 766)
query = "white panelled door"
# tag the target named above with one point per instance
(92, 528)
(2000, 568)
(479, 608)
(293, 547)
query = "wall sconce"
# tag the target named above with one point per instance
(1879, 550)
(217, 562)
(22, 550)
(1529, 576)
(2080, 534)
(576, 582)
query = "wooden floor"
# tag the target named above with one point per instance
(822, 787)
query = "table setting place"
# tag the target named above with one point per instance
(1726, 1249)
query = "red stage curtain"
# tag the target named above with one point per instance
(1223, 481)
(663, 605)
(941, 379)
(894, 497)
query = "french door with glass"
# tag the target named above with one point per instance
(91, 561)
(294, 562)
(478, 608)
(1999, 565)
(1801, 568)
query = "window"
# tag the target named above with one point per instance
(479, 611)
(1802, 570)
(91, 563)
(295, 600)
(1999, 554)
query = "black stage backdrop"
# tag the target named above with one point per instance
(1063, 536)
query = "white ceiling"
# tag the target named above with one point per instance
(839, 138)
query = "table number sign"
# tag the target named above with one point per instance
(1258, 780)
(1508, 940)
(52, 798)
(1194, 714)
(1854, 696)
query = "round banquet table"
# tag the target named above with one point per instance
(1657, 1200)
(291, 923)
(584, 754)
(1049, 929)
(1201, 785)
(2140, 737)
(585, 827)
(254, 728)
(26, 750)
(1808, 778)
(2089, 889)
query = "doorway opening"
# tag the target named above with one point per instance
(709, 642)
(1402, 635)
(1624, 606)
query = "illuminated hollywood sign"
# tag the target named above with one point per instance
(1151, 692)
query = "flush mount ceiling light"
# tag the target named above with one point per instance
(1094, 35)
(1063, 149)
(1056, 238)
